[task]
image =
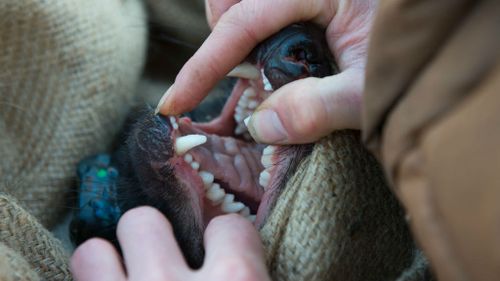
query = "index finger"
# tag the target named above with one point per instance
(237, 32)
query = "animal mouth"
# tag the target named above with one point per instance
(224, 170)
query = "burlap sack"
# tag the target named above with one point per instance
(28, 249)
(68, 74)
(337, 220)
(69, 71)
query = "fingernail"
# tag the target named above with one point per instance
(163, 99)
(266, 126)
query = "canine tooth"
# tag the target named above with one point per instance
(265, 81)
(266, 160)
(252, 104)
(269, 150)
(264, 178)
(233, 207)
(185, 143)
(207, 178)
(245, 70)
(267, 86)
(195, 165)
(188, 158)
(245, 212)
(249, 92)
(251, 218)
(216, 194)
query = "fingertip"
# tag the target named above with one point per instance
(96, 258)
(235, 228)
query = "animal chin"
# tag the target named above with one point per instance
(223, 169)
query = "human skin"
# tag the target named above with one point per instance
(150, 252)
(238, 26)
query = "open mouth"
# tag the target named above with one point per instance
(224, 169)
(193, 171)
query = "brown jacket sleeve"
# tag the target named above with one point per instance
(432, 116)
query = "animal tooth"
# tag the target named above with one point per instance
(173, 121)
(195, 165)
(251, 218)
(269, 150)
(245, 212)
(264, 178)
(229, 198)
(252, 104)
(266, 160)
(245, 71)
(243, 101)
(188, 158)
(185, 143)
(239, 109)
(207, 178)
(238, 117)
(249, 92)
(233, 207)
(265, 81)
(240, 129)
(216, 194)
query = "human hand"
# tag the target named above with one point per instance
(287, 116)
(233, 251)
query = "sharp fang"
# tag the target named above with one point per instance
(265, 81)
(207, 178)
(215, 194)
(245, 71)
(232, 207)
(264, 178)
(185, 143)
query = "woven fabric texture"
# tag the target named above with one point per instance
(69, 72)
(337, 220)
(28, 249)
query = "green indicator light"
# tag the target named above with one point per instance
(102, 173)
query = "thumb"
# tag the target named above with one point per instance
(305, 110)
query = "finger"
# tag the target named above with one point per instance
(237, 32)
(233, 249)
(97, 259)
(306, 110)
(215, 8)
(149, 246)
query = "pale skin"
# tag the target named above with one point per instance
(300, 112)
